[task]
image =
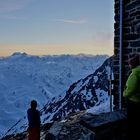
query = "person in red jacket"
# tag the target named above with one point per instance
(34, 122)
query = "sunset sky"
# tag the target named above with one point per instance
(42, 27)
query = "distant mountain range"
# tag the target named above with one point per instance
(61, 84)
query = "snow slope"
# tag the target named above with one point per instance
(24, 77)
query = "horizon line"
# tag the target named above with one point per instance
(72, 54)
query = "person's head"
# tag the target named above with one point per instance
(134, 61)
(33, 104)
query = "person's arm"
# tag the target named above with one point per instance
(29, 116)
(38, 118)
(131, 86)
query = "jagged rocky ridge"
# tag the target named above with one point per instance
(81, 95)
(91, 91)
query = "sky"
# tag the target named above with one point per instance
(42, 27)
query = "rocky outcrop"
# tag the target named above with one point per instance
(83, 126)
(109, 126)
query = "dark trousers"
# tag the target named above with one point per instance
(133, 120)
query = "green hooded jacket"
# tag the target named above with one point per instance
(132, 90)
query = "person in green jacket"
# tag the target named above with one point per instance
(132, 94)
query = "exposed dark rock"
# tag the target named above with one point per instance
(106, 126)
(83, 126)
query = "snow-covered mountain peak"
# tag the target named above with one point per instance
(19, 53)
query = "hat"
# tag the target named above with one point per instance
(134, 61)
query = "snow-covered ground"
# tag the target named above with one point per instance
(24, 77)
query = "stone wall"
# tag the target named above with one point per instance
(130, 38)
